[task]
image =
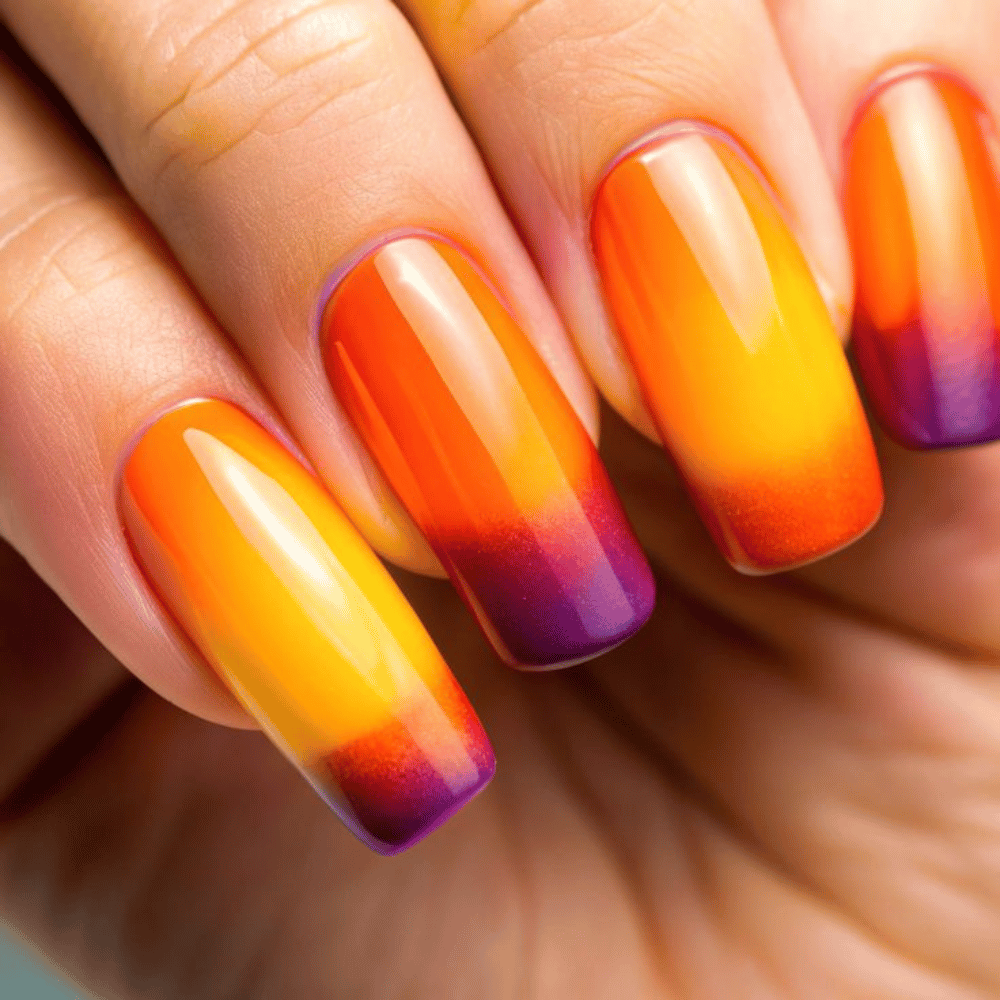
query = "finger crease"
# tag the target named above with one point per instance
(679, 778)
(199, 85)
(614, 850)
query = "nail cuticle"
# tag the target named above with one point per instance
(677, 129)
(896, 73)
(259, 416)
(372, 246)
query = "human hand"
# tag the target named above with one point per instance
(780, 786)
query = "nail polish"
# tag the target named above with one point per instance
(922, 199)
(735, 351)
(291, 608)
(485, 452)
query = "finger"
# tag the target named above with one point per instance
(918, 157)
(121, 402)
(914, 154)
(261, 128)
(663, 112)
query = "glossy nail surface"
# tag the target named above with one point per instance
(483, 449)
(293, 610)
(735, 352)
(923, 212)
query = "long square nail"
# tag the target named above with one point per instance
(485, 452)
(292, 609)
(735, 352)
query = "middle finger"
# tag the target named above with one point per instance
(656, 123)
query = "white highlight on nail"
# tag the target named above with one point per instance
(268, 517)
(478, 374)
(709, 211)
(457, 338)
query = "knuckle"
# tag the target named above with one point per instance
(575, 65)
(57, 246)
(262, 68)
(529, 26)
(573, 69)
(68, 261)
(87, 308)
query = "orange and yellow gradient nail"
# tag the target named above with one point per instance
(300, 619)
(922, 202)
(485, 452)
(735, 352)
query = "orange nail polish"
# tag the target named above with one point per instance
(735, 352)
(293, 610)
(922, 201)
(486, 454)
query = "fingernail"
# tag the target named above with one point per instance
(923, 213)
(485, 452)
(735, 352)
(293, 610)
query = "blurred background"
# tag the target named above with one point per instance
(24, 978)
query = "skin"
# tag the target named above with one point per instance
(782, 787)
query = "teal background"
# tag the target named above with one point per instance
(24, 978)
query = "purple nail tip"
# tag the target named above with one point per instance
(949, 402)
(553, 593)
(444, 807)
(546, 617)
(399, 782)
